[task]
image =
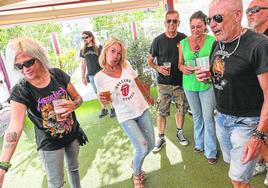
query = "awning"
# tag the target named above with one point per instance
(16, 12)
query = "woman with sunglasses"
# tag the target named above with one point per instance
(200, 96)
(90, 63)
(130, 101)
(36, 93)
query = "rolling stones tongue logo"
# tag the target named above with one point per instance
(125, 89)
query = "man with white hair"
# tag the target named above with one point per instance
(239, 71)
(257, 15)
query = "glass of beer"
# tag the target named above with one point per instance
(203, 64)
(191, 63)
(59, 110)
(167, 66)
(106, 94)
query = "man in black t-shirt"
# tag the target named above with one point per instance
(257, 15)
(239, 69)
(165, 50)
(90, 63)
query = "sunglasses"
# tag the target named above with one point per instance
(255, 9)
(172, 21)
(86, 37)
(26, 64)
(217, 18)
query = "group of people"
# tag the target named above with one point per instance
(224, 80)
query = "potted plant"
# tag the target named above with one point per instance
(137, 52)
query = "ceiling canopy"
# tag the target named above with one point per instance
(16, 12)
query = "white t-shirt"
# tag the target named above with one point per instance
(127, 99)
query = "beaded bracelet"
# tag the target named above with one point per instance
(259, 135)
(5, 166)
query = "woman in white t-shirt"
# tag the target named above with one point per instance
(130, 100)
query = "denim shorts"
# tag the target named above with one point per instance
(165, 92)
(233, 133)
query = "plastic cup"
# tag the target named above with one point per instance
(203, 64)
(59, 110)
(106, 94)
(191, 63)
(167, 66)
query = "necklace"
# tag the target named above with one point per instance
(225, 53)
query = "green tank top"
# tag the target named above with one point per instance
(190, 82)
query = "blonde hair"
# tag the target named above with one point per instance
(108, 44)
(30, 47)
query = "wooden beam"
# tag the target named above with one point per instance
(56, 13)
(9, 2)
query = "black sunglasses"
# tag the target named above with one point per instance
(86, 37)
(217, 18)
(255, 9)
(173, 21)
(26, 64)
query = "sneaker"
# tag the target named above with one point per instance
(103, 113)
(212, 161)
(259, 169)
(112, 113)
(190, 112)
(181, 138)
(160, 143)
(266, 177)
(196, 150)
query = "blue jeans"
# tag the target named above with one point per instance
(54, 167)
(92, 82)
(141, 134)
(202, 104)
(233, 132)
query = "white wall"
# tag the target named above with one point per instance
(187, 8)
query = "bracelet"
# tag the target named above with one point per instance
(259, 135)
(5, 166)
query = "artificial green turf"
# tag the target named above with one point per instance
(104, 161)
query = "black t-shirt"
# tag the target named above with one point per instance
(237, 88)
(266, 32)
(166, 50)
(49, 134)
(92, 61)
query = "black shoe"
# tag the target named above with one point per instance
(112, 113)
(160, 143)
(103, 113)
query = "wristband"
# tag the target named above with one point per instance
(5, 166)
(259, 135)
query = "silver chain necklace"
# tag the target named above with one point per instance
(225, 53)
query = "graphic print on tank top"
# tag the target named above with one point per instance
(45, 106)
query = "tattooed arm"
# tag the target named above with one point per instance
(12, 134)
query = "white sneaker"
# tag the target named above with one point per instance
(266, 177)
(260, 168)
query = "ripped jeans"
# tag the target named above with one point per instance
(141, 134)
(54, 166)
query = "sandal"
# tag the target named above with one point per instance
(142, 174)
(138, 182)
